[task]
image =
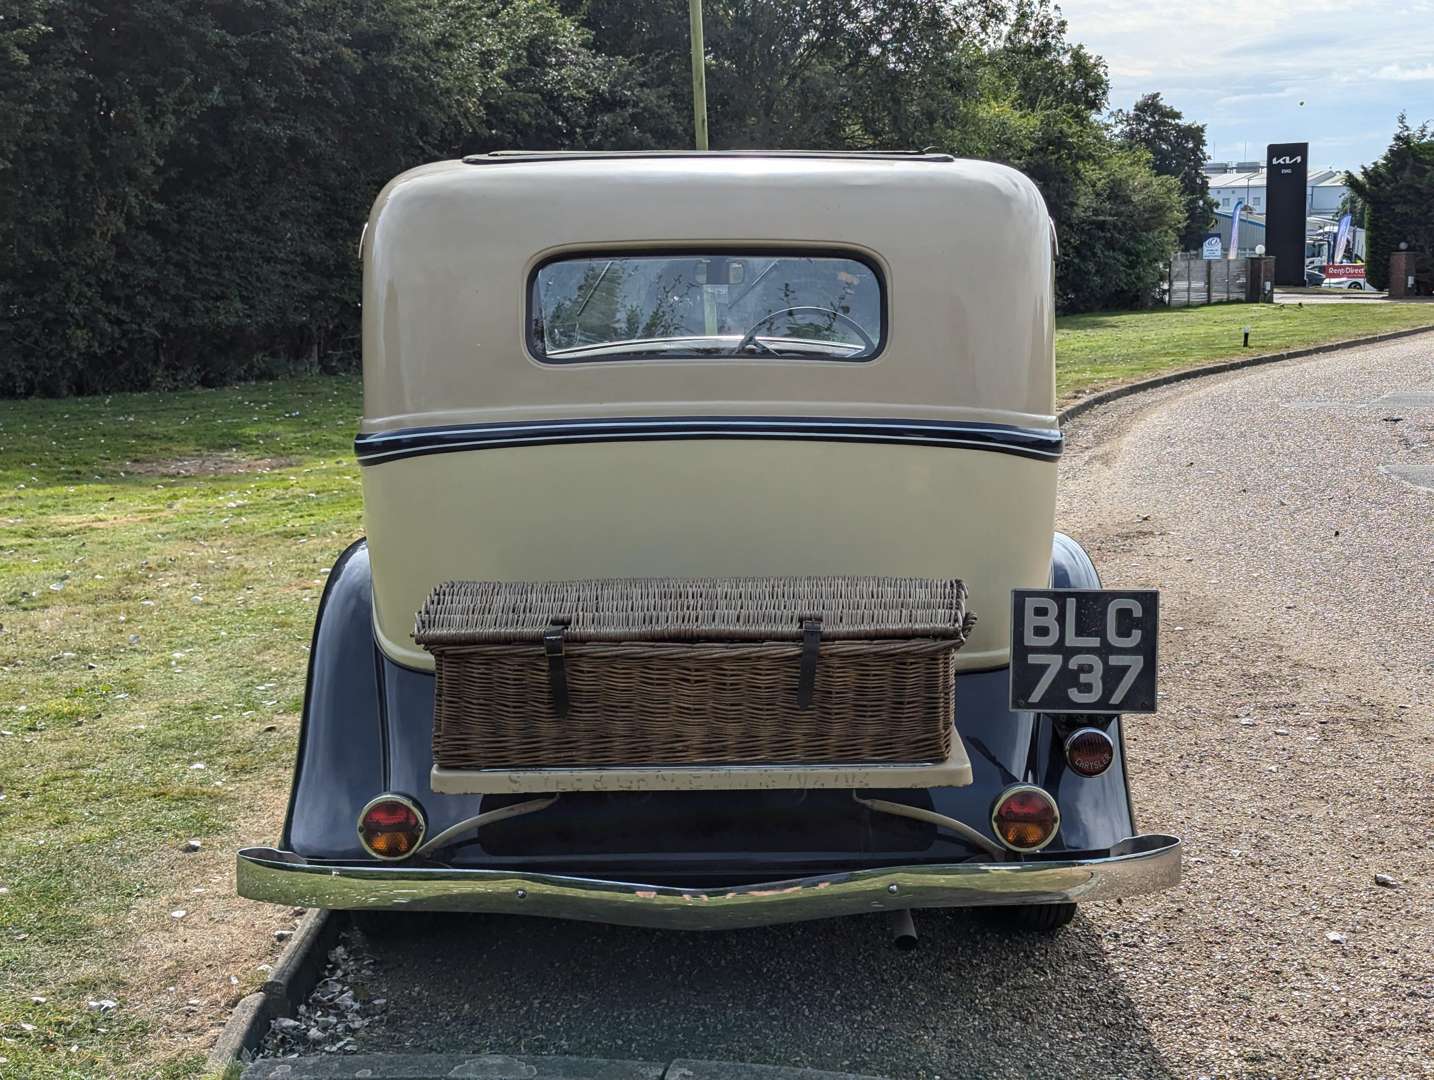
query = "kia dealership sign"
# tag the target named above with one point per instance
(1286, 204)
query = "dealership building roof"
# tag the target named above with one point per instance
(1233, 180)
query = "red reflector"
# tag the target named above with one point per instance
(1089, 751)
(1025, 818)
(390, 816)
(390, 827)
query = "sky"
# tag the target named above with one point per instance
(1333, 73)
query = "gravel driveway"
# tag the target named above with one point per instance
(1294, 753)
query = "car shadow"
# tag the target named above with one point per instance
(973, 999)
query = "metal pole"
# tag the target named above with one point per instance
(699, 74)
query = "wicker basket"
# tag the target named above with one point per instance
(686, 672)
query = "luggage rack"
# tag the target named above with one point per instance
(688, 684)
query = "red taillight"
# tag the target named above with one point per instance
(1089, 751)
(1025, 818)
(391, 827)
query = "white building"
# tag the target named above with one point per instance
(1231, 181)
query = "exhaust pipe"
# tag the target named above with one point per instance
(903, 929)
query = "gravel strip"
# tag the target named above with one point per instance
(1295, 747)
(1293, 752)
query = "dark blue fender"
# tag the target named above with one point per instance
(367, 728)
(1089, 807)
(342, 743)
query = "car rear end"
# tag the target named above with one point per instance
(702, 366)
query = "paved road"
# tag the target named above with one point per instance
(1294, 752)
(1342, 296)
(1331, 296)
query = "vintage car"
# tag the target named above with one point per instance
(711, 576)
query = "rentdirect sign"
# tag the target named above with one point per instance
(1344, 272)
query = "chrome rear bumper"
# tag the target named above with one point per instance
(1136, 865)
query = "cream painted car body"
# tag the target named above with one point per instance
(931, 452)
(937, 458)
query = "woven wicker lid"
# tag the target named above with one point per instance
(694, 609)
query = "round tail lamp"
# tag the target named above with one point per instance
(1089, 751)
(1025, 818)
(391, 827)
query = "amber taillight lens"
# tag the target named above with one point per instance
(391, 827)
(1025, 818)
(1089, 751)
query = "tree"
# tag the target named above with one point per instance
(796, 73)
(1039, 110)
(1398, 195)
(1177, 149)
(1353, 205)
(982, 78)
(182, 182)
(1122, 233)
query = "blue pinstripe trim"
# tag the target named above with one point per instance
(1044, 444)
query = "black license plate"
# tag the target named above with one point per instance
(1083, 650)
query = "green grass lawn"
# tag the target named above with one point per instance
(1095, 351)
(161, 558)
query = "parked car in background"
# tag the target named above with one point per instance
(711, 576)
(1313, 278)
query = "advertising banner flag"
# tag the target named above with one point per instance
(1341, 238)
(1235, 228)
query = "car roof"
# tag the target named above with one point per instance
(499, 157)
(963, 248)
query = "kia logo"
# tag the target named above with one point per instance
(1287, 160)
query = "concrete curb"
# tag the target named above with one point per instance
(289, 983)
(444, 1066)
(1115, 393)
(503, 1067)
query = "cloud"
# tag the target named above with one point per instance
(1400, 73)
(1261, 95)
(1334, 72)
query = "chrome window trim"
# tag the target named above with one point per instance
(537, 350)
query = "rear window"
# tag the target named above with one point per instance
(743, 305)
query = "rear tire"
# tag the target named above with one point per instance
(1040, 918)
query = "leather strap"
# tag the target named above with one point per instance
(557, 666)
(811, 650)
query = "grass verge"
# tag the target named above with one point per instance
(161, 556)
(1097, 351)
